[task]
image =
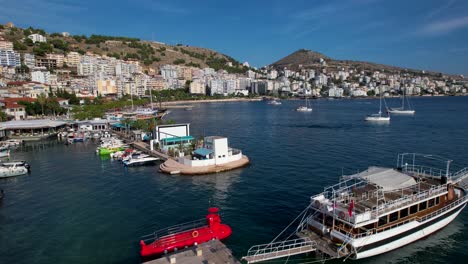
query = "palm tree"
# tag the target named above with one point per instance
(42, 99)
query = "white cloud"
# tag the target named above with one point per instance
(446, 26)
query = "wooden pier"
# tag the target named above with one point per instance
(212, 252)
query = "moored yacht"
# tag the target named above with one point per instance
(375, 211)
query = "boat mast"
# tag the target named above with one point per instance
(380, 106)
(403, 100)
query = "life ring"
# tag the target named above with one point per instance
(342, 215)
(195, 233)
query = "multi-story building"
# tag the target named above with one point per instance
(48, 63)
(105, 87)
(73, 59)
(58, 57)
(6, 45)
(272, 75)
(169, 72)
(86, 68)
(37, 38)
(156, 83)
(335, 92)
(216, 86)
(197, 86)
(10, 58)
(40, 77)
(29, 60)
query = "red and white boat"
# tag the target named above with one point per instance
(185, 235)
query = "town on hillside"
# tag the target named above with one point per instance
(75, 69)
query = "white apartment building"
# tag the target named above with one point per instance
(272, 75)
(10, 58)
(86, 68)
(216, 86)
(335, 92)
(41, 77)
(6, 45)
(169, 72)
(37, 38)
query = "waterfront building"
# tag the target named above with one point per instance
(215, 151)
(172, 136)
(216, 87)
(10, 58)
(335, 92)
(37, 38)
(197, 86)
(11, 107)
(30, 130)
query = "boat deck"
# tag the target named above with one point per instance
(171, 166)
(210, 252)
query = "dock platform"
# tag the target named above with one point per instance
(212, 252)
(171, 166)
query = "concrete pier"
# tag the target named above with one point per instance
(212, 252)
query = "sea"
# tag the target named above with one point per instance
(78, 207)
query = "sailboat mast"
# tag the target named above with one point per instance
(380, 101)
(403, 100)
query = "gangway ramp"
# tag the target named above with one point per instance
(281, 249)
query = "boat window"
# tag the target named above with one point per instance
(431, 203)
(383, 220)
(414, 209)
(423, 206)
(404, 213)
(437, 200)
(393, 217)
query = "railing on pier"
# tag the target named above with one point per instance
(281, 249)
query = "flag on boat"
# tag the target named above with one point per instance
(351, 207)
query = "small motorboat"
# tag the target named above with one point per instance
(20, 163)
(11, 171)
(185, 235)
(140, 161)
(275, 102)
(4, 152)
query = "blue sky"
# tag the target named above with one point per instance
(430, 35)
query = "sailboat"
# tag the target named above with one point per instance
(401, 110)
(305, 108)
(378, 117)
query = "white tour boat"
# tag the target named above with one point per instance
(13, 170)
(374, 211)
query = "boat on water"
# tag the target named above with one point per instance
(139, 161)
(305, 108)
(185, 235)
(11, 171)
(375, 211)
(404, 109)
(20, 163)
(379, 117)
(275, 102)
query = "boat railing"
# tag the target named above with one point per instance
(442, 210)
(174, 230)
(424, 171)
(460, 175)
(391, 205)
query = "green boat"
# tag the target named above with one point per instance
(108, 151)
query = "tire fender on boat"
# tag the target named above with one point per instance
(195, 233)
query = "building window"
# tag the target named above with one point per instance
(437, 200)
(404, 213)
(414, 209)
(393, 217)
(423, 206)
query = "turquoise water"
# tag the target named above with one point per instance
(78, 208)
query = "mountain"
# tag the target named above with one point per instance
(307, 59)
(151, 54)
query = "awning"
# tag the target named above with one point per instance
(177, 139)
(203, 152)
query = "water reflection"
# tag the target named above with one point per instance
(220, 182)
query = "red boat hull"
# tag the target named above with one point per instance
(169, 243)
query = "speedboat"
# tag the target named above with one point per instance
(140, 161)
(275, 102)
(185, 235)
